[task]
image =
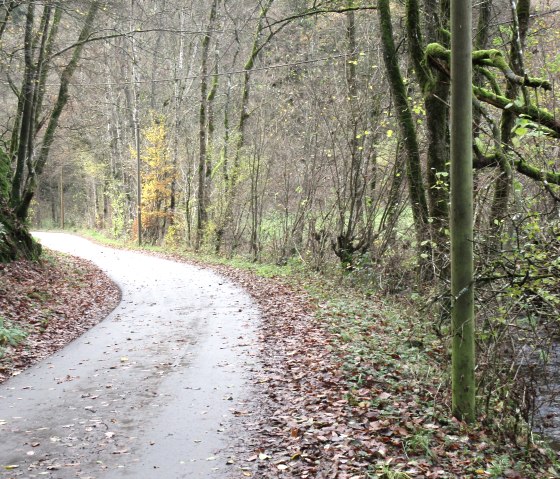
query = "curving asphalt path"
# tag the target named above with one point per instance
(156, 390)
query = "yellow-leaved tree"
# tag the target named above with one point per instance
(157, 177)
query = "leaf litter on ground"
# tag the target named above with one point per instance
(344, 390)
(53, 301)
(354, 388)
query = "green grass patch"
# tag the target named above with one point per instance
(9, 335)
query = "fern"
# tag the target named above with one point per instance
(10, 335)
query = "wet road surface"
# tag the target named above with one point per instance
(153, 391)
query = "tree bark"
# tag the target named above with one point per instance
(22, 198)
(202, 215)
(7, 7)
(233, 172)
(15, 240)
(405, 121)
(504, 181)
(25, 118)
(435, 88)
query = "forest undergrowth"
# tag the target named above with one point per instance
(354, 382)
(356, 385)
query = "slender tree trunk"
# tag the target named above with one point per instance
(254, 203)
(392, 211)
(48, 37)
(233, 173)
(61, 195)
(177, 101)
(406, 123)
(202, 215)
(481, 43)
(37, 167)
(136, 127)
(500, 204)
(211, 126)
(354, 229)
(435, 88)
(157, 51)
(224, 155)
(25, 118)
(5, 173)
(462, 285)
(5, 12)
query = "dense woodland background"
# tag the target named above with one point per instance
(312, 132)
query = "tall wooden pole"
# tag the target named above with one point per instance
(462, 287)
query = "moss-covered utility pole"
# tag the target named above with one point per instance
(463, 353)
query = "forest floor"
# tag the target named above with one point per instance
(357, 388)
(352, 387)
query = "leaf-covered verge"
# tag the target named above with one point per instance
(356, 386)
(355, 389)
(51, 302)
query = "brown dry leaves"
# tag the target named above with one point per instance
(307, 420)
(54, 302)
(306, 429)
(315, 423)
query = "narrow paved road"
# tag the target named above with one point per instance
(156, 390)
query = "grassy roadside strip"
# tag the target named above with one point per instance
(358, 386)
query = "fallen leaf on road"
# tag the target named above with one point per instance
(121, 451)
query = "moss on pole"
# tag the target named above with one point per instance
(462, 285)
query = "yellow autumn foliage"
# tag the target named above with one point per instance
(157, 177)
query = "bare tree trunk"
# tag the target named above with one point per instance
(156, 52)
(393, 209)
(221, 222)
(233, 174)
(25, 117)
(37, 167)
(136, 125)
(47, 42)
(6, 11)
(61, 194)
(177, 102)
(435, 89)
(504, 182)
